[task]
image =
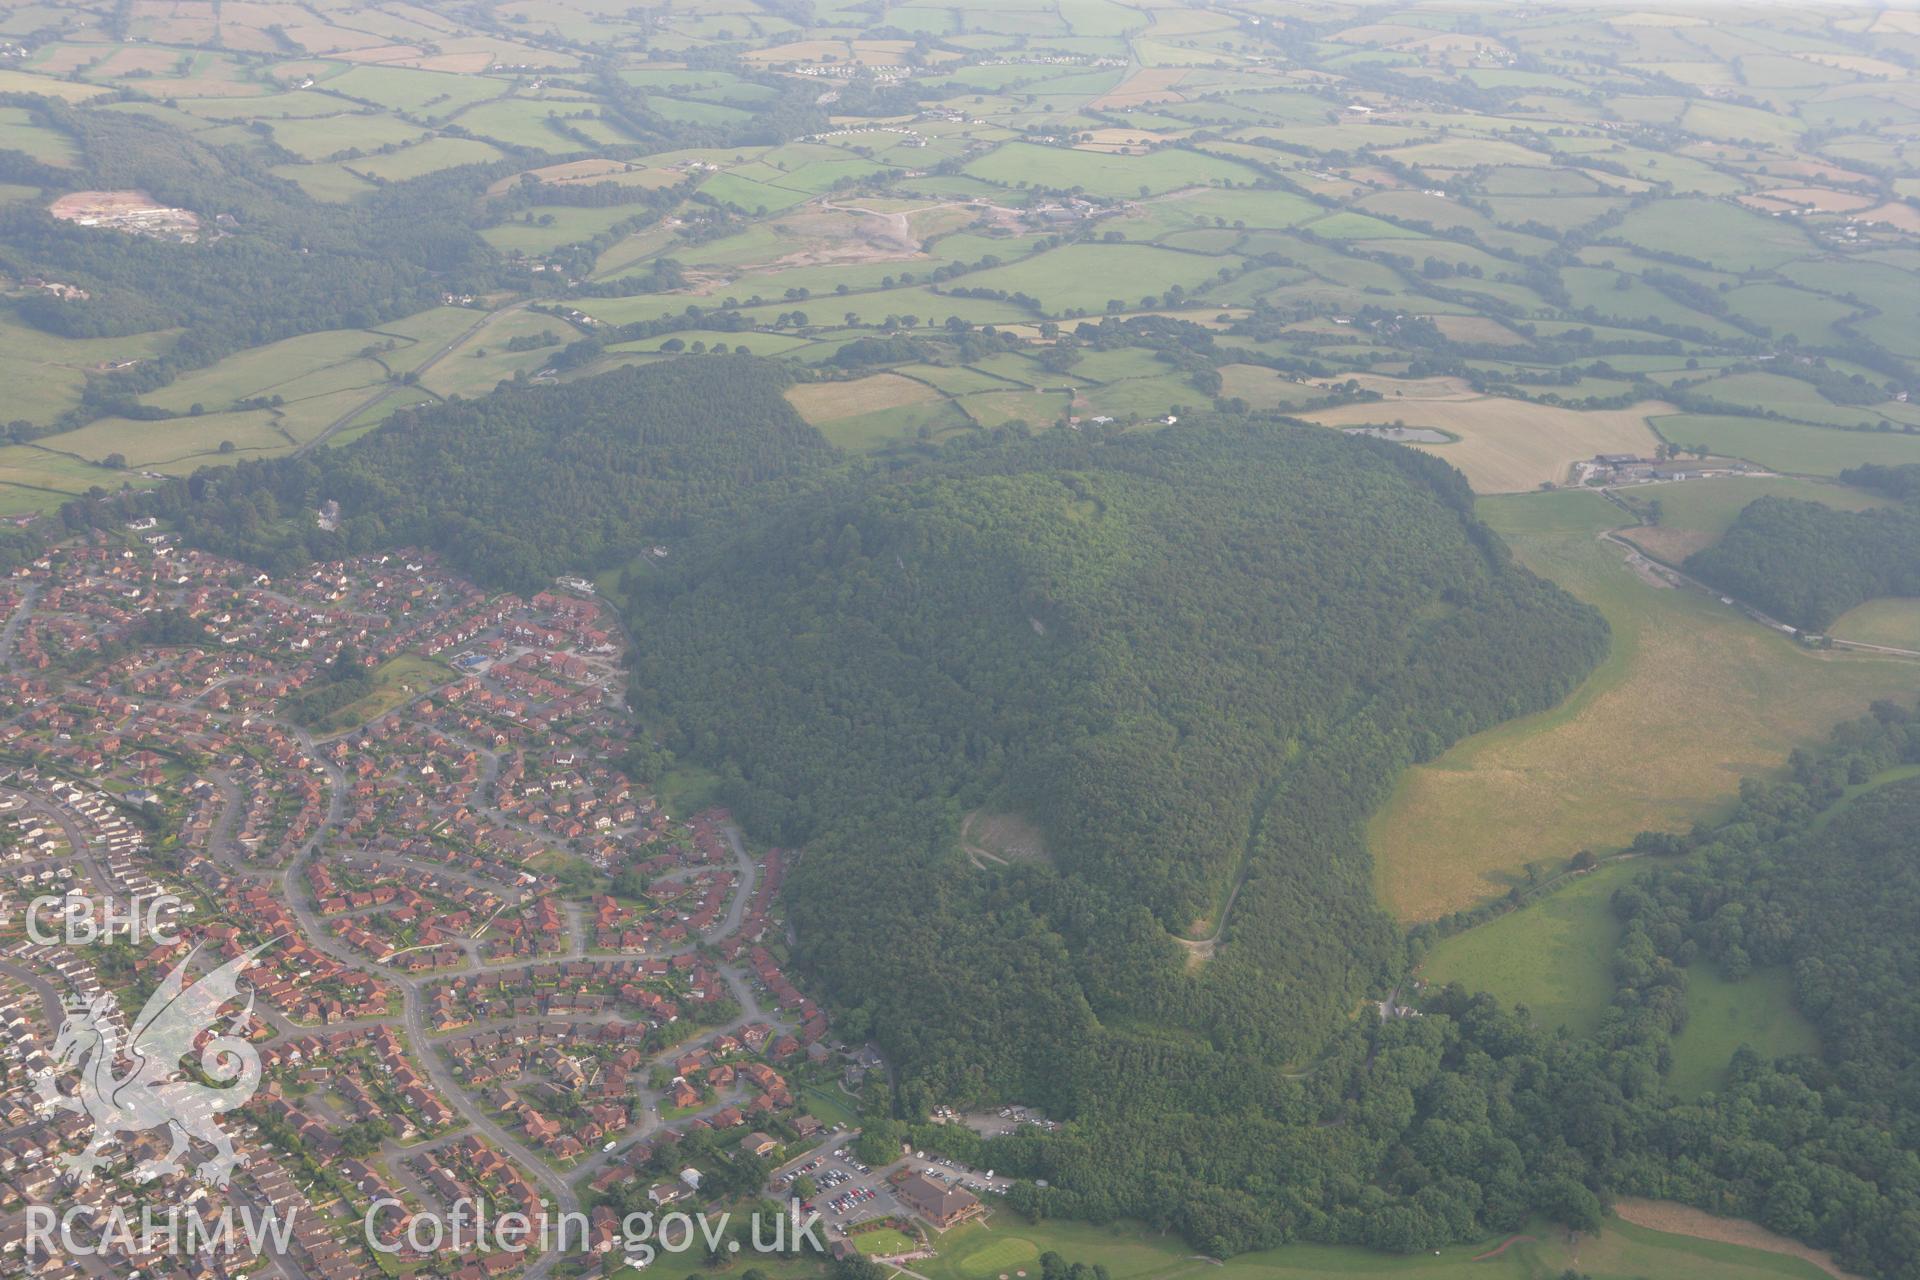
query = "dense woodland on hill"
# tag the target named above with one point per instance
(522, 485)
(1197, 658)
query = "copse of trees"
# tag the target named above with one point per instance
(1807, 563)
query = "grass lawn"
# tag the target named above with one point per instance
(828, 1105)
(395, 681)
(883, 1242)
(1551, 955)
(1690, 698)
(1722, 1016)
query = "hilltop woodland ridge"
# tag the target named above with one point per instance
(1806, 563)
(1198, 658)
(527, 483)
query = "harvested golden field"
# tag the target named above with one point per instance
(1895, 214)
(1821, 198)
(1148, 84)
(1509, 446)
(1691, 698)
(827, 401)
(802, 51)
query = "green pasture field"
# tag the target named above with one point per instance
(903, 424)
(266, 371)
(1085, 277)
(1691, 697)
(956, 380)
(1562, 213)
(1688, 176)
(1056, 168)
(1537, 180)
(1808, 316)
(1599, 289)
(483, 360)
(687, 788)
(1013, 367)
(756, 342)
(1790, 398)
(523, 122)
(317, 137)
(43, 374)
(1788, 446)
(1732, 122)
(930, 309)
(570, 225)
(1150, 396)
(1358, 226)
(1894, 622)
(1722, 1016)
(1037, 408)
(1552, 955)
(751, 196)
(158, 445)
(431, 95)
(331, 183)
(698, 112)
(425, 157)
(1712, 231)
(1129, 1251)
(37, 479)
(298, 104)
(425, 332)
(20, 132)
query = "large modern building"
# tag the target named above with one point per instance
(939, 1203)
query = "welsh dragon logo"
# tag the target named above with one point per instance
(140, 1085)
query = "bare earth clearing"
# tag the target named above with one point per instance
(1679, 1219)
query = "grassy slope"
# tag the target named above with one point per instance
(1691, 698)
(1551, 956)
(1129, 1252)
